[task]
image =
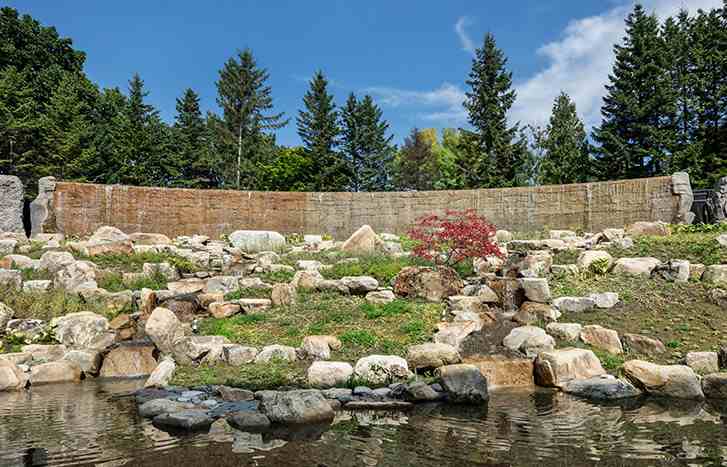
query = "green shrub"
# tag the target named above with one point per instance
(600, 266)
(397, 307)
(360, 338)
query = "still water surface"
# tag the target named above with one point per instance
(95, 424)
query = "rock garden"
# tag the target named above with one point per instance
(257, 329)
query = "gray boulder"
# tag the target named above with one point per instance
(463, 383)
(11, 204)
(601, 388)
(189, 420)
(255, 241)
(297, 407)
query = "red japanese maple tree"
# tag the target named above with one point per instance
(457, 235)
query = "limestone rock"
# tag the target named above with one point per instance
(658, 229)
(162, 374)
(142, 238)
(534, 345)
(635, 266)
(10, 279)
(504, 371)
(276, 352)
(61, 371)
(714, 386)
(129, 361)
(703, 362)
(569, 332)
(716, 274)
(166, 270)
(254, 305)
(18, 262)
(329, 374)
(519, 335)
(11, 377)
(54, 261)
(677, 381)
(604, 300)
(200, 349)
(556, 367)
(380, 297)
(574, 304)
(676, 270)
(531, 312)
(432, 285)
(319, 347)
(456, 333)
(306, 280)
(88, 360)
(83, 330)
(284, 295)
(255, 241)
(381, 369)
(76, 276)
(602, 338)
(44, 353)
(11, 204)
(164, 329)
(536, 289)
(297, 407)
(238, 355)
(463, 383)
(37, 286)
(222, 284)
(642, 344)
(360, 285)
(432, 355)
(221, 310)
(364, 240)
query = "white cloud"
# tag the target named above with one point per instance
(578, 63)
(443, 104)
(459, 27)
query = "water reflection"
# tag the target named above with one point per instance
(95, 424)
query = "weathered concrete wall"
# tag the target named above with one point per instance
(11, 204)
(78, 209)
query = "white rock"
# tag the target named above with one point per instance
(329, 374)
(162, 374)
(276, 352)
(636, 266)
(565, 331)
(253, 241)
(604, 300)
(574, 304)
(381, 369)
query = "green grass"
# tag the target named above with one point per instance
(47, 305)
(276, 276)
(695, 247)
(248, 293)
(31, 274)
(254, 376)
(114, 282)
(363, 329)
(134, 262)
(681, 315)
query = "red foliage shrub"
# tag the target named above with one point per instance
(457, 235)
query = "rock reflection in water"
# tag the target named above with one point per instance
(92, 424)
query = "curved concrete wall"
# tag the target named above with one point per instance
(78, 209)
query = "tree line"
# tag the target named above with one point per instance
(665, 110)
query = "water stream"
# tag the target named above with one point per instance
(94, 423)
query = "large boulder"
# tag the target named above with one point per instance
(162, 374)
(83, 330)
(129, 361)
(276, 352)
(10, 279)
(536, 289)
(143, 238)
(107, 234)
(659, 229)
(297, 407)
(702, 363)
(463, 383)
(569, 332)
(431, 284)
(574, 304)
(677, 381)
(329, 374)
(556, 367)
(643, 345)
(602, 338)
(432, 355)
(283, 295)
(164, 329)
(198, 349)
(360, 285)
(380, 297)
(381, 369)
(11, 204)
(364, 240)
(504, 371)
(601, 388)
(587, 258)
(54, 261)
(716, 274)
(454, 334)
(62, 371)
(319, 347)
(604, 300)
(77, 276)
(238, 355)
(12, 378)
(18, 262)
(515, 339)
(88, 360)
(636, 266)
(714, 386)
(256, 241)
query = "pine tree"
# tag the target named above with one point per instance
(365, 144)
(318, 128)
(634, 135)
(246, 101)
(499, 151)
(191, 142)
(566, 158)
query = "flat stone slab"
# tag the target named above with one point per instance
(190, 420)
(378, 405)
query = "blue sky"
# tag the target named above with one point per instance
(413, 57)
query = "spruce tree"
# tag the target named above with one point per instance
(634, 135)
(366, 145)
(416, 163)
(246, 101)
(499, 151)
(566, 158)
(191, 144)
(318, 128)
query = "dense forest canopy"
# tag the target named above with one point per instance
(665, 110)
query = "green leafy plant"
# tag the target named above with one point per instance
(600, 266)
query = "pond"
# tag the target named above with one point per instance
(96, 423)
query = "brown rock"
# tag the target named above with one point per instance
(602, 338)
(428, 283)
(221, 310)
(643, 345)
(283, 295)
(62, 371)
(129, 361)
(500, 370)
(556, 367)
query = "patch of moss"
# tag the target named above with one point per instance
(254, 376)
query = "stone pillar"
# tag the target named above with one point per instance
(42, 217)
(719, 199)
(11, 204)
(683, 188)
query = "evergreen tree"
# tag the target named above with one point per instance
(416, 163)
(318, 128)
(566, 157)
(20, 126)
(246, 101)
(191, 142)
(634, 136)
(366, 145)
(499, 151)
